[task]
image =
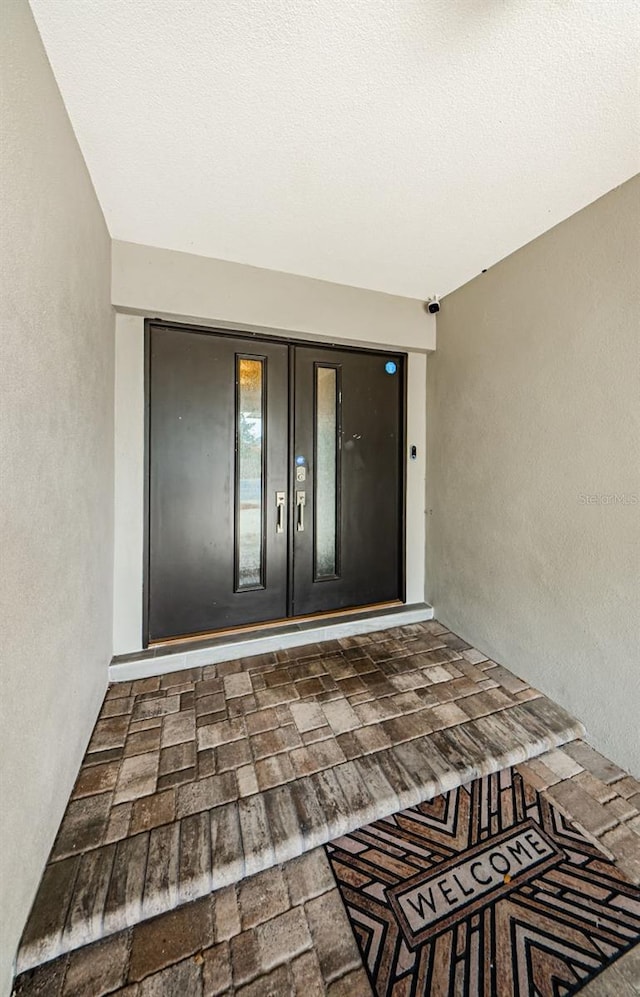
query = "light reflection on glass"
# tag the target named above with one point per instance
(326, 486)
(249, 474)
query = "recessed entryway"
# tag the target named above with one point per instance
(276, 480)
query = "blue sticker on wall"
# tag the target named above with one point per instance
(390, 367)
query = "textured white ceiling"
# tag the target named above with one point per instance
(402, 145)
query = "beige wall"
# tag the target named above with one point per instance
(534, 407)
(162, 283)
(56, 455)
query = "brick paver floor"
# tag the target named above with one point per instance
(284, 931)
(198, 779)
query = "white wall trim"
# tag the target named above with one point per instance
(129, 485)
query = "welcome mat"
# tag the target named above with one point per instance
(486, 891)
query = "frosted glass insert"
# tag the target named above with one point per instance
(249, 474)
(326, 465)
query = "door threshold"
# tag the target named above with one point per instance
(233, 644)
(177, 642)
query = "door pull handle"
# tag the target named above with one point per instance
(301, 501)
(281, 501)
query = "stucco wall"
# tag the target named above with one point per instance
(533, 409)
(161, 283)
(56, 465)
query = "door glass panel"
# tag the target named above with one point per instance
(326, 491)
(249, 474)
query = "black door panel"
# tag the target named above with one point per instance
(196, 571)
(368, 479)
(244, 527)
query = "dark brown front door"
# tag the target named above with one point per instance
(275, 480)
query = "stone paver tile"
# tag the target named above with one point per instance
(620, 808)
(98, 969)
(216, 970)
(214, 703)
(317, 734)
(274, 771)
(625, 846)
(579, 806)
(83, 825)
(274, 984)
(256, 837)
(142, 741)
(118, 689)
(247, 780)
(212, 735)
(282, 937)
(262, 720)
(226, 915)
(362, 804)
(164, 940)
(232, 756)
(354, 984)
(237, 685)
(340, 716)
(307, 715)
(140, 686)
(185, 677)
(537, 774)
(177, 757)
(262, 897)
(175, 779)
(183, 979)
(332, 800)
(314, 757)
(284, 825)
(562, 764)
(110, 733)
(205, 794)
(195, 857)
(136, 726)
(161, 881)
(309, 876)
(627, 787)
(271, 742)
(152, 811)
(376, 781)
(43, 931)
(178, 727)
(95, 779)
(332, 936)
(137, 777)
(227, 853)
(245, 960)
(599, 790)
(44, 981)
(306, 975)
(124, 898)
(119, 821)
(158, 707)
(84, 920)
(449, 714)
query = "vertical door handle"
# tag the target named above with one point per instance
(281, 501)
(301, 501)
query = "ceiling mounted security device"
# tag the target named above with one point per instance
(433, 305)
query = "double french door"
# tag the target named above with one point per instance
(275, 480)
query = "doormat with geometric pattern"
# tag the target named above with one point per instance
(486, 891)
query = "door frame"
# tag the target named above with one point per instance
(291, 341)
